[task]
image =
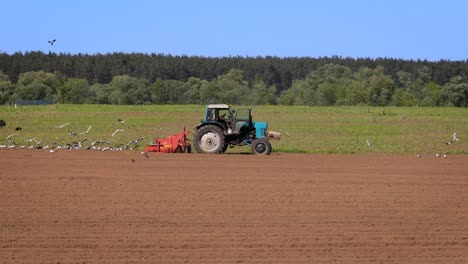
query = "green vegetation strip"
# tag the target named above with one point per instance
(397, 130)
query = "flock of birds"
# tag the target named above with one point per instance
(105, 145)
(79, 141)
(449, 142)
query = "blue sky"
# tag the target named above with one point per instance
(431, 30)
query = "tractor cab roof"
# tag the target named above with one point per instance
(218, 106)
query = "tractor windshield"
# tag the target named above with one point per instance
(243, 114)
(214, 114)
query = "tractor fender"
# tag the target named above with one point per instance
(210, 123)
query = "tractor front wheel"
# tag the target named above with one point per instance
(261, 146)
(209, 139)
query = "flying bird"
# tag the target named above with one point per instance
(72, 133)
(33, 139)
(121, 121)
(62, 126)
(10, 139)
(370, 144)
(87, 139)
(144, 153)
(51, 42)
(118, 130)
(10, 136)
(454, 138)
(87, 131)
(135, 141)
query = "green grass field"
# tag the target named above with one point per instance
(304, 129)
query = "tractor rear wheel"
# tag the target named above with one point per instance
(209, 139)
(261, 146)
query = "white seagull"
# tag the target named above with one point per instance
(33, 139)
(454, 138)
(117, 130)
(9, 136)
(62, 126)
(136, 140)
(72, 133)
(87, 131)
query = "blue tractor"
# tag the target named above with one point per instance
(223, 127)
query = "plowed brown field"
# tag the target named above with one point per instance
(120, 207)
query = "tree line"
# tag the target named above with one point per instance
(122, 78)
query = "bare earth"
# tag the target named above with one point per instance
(120, 207)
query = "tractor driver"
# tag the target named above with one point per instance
(222, 118)
(226, 122)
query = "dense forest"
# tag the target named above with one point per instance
(135, 78)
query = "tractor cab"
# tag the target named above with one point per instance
(229, 120)
(218, 113)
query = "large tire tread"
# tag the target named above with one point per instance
(204, 130)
